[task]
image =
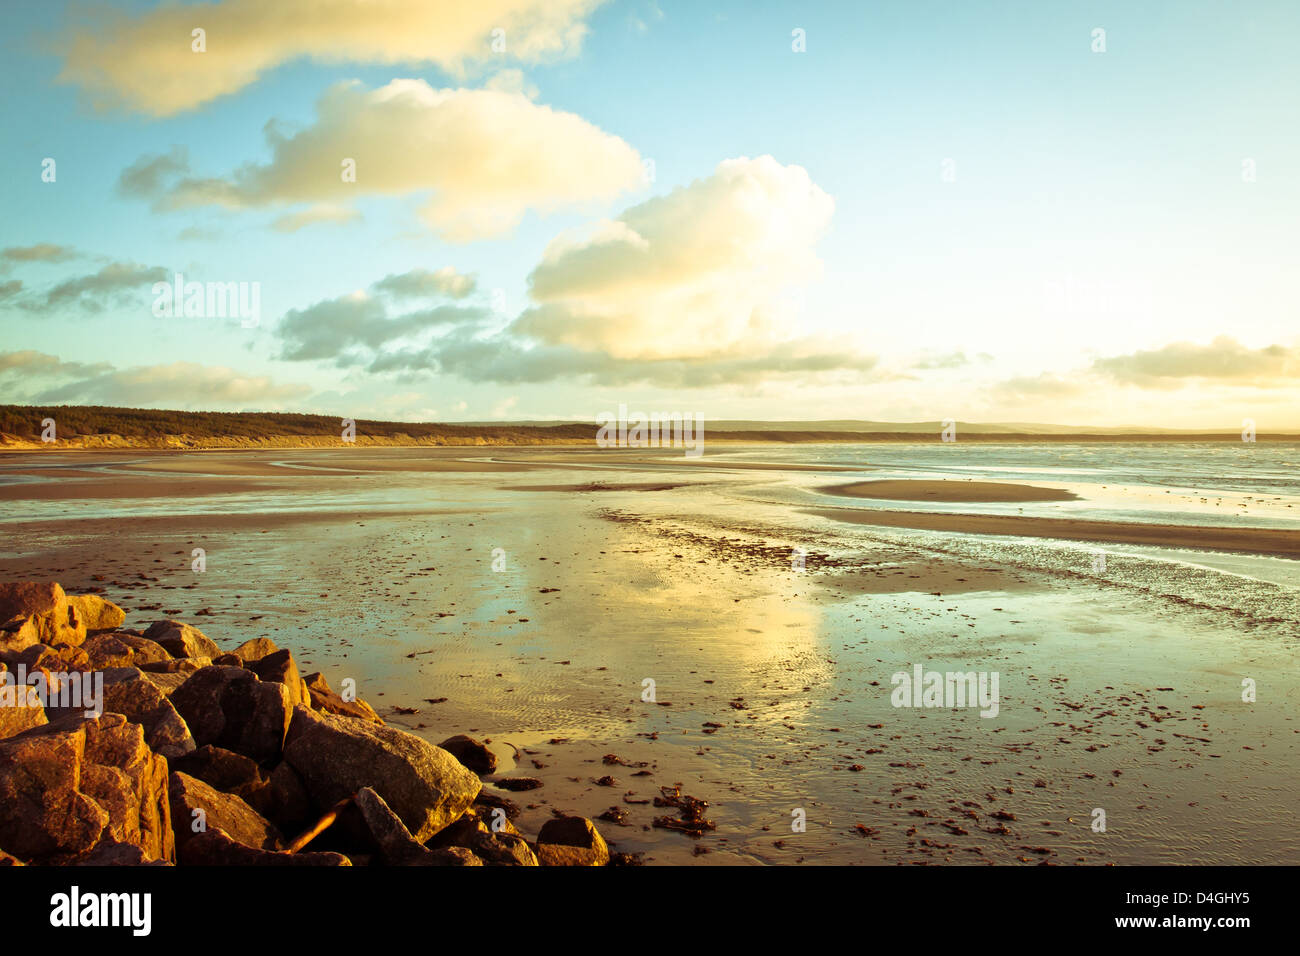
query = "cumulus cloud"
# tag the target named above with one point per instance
(687, 290)
(113, 283)
(699, 271)
(485, 157)
(350, 329)
(314, 215)
(34, 377)
(419, 283)
(1225, 361)
(146, 63)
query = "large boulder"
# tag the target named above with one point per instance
(230, 707)
(279, 667)
(37, 612)
(68, 785)
(197, 807)
(182, 640)
(96, 613)
(322, 698)
(255, 649)
(472, 753)
(20, 706)
(336, 756)
(123, 649)
(215, 848)
(571, 841)
(142, 702)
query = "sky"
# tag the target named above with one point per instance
(1080, 213)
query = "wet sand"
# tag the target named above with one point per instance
(1269, 541)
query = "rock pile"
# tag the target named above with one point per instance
(121, 747)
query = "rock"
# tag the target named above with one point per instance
(215, 848)
(35, 612)
(255, 649)
(279, 667)
(220, 768)
(228, 660)
(20, 706)
(571, 841)
(370, 820)
(96, 613)
(168, 683)
(285, 800)
(110, 853)
(336, 756)
(181, 665)
(230, 707)
(503, 847)
(450, 856)
(122, 649)
(322, 698)
(182, 640)
(471, 753)
(489, 800)
(517, 784)
(67, 785)
(197, 807)
(7, 859)
(141, 702)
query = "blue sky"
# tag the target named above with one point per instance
(1095, 254)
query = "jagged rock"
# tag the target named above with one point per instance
(285, 800)
(37, 612)
(67, 785)
(180, 665)
(220, 768)
(230, 707)
(96, 613)
(571, 841)
(337, 756)
(215, 848)
(7, 859)
(503, 847)
(474, 754)
(20, 706)
(255, 649)
(111, 853)
(122, 649)
(182, 640)
(279, 667)
(322, 698)
(223, 811)
(228, 660)
(489, 800)
(450, 856)
(141, 702)
(372, 823)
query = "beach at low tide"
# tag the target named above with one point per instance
(1121, 593)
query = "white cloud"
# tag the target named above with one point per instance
(146, 62)
(485, 157)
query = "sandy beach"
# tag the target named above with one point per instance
(526, 597)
